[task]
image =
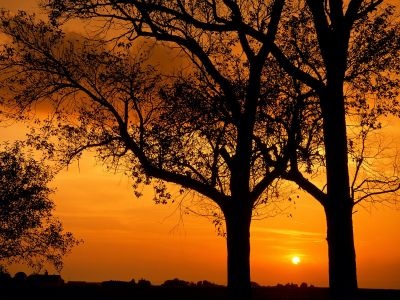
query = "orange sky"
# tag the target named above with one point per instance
(129, 238)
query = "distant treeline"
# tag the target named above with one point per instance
(20, 278)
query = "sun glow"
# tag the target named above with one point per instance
(296, 260)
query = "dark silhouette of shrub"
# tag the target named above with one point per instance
(177, 283)
(5, 277)
(206, 283)
(45, 280)
(303, 285)
(20, 277)
(144, 283)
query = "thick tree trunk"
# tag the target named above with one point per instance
(338, 208)
(238, 250)
(342, 257)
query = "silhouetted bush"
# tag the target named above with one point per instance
(5, 277)
(291, 285)
(45, 280)
(143, 283)
(303, 285)
(20, 277)
(177, 283)
(206, 283)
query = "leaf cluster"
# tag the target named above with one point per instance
(29, 233)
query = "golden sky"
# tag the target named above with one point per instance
(127, 238)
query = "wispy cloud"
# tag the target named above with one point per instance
(284, 237)
(289, 232)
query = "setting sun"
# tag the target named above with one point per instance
(295, 260)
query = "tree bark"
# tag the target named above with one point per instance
(238, 249)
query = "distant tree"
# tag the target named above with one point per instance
(5, 277)
(303, 285)
(177, 283)
(291, 285)
(206, 283)
(3, 269)
(45, 280)
(223, 128)
(20, 277)
(29, 233)
(143, 283)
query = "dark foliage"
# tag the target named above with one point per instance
(29, 233)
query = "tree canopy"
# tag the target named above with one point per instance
(348, 53)
(270, 91)
(223, 128)
(371, 88)
(29, 233)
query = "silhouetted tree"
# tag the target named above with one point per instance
(303, 285)
(223, 128)
(206, 284)
(144, 283)
(349, 43)
(229, 42)
(20, 277)
(348, 53)
(177, 283)
(5, 277)
(29, 233)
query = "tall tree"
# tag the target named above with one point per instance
(210, 32)
(29, 233)
(224, 130)
(336, 30)
(348, 53)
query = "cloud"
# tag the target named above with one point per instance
(289, 232)
(284, 237)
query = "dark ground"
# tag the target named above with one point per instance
(188, 293)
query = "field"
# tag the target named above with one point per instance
(178, 293)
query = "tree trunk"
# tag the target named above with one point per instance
(339, 205)
(238, 250)
(342, 257)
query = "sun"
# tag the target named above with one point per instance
(296, 260)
